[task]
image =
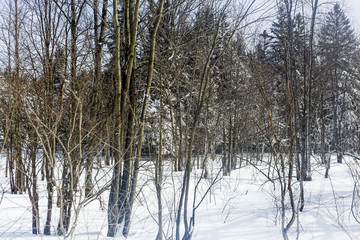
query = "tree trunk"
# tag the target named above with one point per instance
(143, 114)
(159, 171)
(49, 173)
(113, 206)
(230, 148)
(32, 185)
(88, 177)
(73, 158)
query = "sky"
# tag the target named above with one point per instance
(352, 8)
(267, 9)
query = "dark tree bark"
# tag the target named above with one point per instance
(149, 77)
(113, 206)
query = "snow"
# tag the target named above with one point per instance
(241, 206)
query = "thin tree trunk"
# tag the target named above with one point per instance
(49, 173)
(180, 128)
(113, 207)
(309, 85)
(129, 139)
(72, 162)
(131, 23)
(7, 160)
(159, 171)
(142, 118)
(88, 177)
(290, 120)
(225, 173)
(230, 153)
(19, 186)
(184, 196)
(32, 186)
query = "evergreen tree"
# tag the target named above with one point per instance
(337, 44)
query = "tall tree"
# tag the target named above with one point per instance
(113, 206)
(337, 45)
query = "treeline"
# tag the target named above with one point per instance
(90, 85)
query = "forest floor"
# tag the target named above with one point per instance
(244, 205)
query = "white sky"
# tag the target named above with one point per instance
(352, 8)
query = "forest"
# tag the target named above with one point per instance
(142, 110)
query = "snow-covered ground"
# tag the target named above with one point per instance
(241, 206)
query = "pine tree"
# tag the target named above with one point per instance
(337, 44)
